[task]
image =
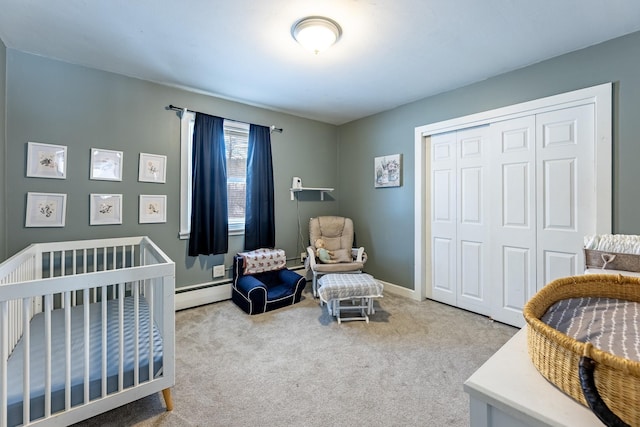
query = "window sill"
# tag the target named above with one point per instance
(185, 235)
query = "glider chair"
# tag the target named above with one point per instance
(261, 281)
(337, 235)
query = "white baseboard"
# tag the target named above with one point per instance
(399, 290)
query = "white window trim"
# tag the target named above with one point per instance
(186, 121)
(185, 174)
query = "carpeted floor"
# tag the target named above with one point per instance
(297, 367)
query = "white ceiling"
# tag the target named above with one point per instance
(391, 51)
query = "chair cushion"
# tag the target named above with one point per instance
(336, 231)
(342, 255)
(337, 267)
(347, 286)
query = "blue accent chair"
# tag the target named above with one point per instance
(261, 292)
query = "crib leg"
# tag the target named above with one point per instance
(166, 393)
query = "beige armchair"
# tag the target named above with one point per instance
(337, 233)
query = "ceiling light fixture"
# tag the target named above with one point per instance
(316, 33)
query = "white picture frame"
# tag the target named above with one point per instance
(45, 210)
(105, 209)
(106, 165)
(388, 171)
(46, 160)
(152, 168)
(153, 209)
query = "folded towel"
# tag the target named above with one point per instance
(618, 243)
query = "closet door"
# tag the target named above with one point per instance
(443, 217)
(566, 190)
(473, 220)
(513, 228)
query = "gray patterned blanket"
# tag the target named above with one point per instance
(610, 325)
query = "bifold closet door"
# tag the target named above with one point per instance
(443, 217)
(459, 219)
(473, 252)
(566, 190)
(513, 228)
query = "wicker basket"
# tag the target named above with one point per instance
(557, 356)
(611, 260)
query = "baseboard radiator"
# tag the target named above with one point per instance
(208, 293)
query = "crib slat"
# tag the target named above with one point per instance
(136, 334)
(121, 336)
(48, 306)
(51, 262)
(26, 373)
(104, 341)
(67, 350)
(87, 343)
(151, 302)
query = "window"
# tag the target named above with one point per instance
(236, 139)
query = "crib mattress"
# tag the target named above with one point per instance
(37, 356)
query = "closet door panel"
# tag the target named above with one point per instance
(559, 264)
(513, 226)
(443, 218)
(473, 219)
(444, 270)
(516, 265)
(472, 271)
(566, 196)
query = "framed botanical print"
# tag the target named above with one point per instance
(106, 165)
(153, 209)
(46, 160)
(45, 210)
(105, 209)
(152, 168)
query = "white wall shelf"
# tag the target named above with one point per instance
(322, 191)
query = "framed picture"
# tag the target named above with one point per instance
(152, 168)
(106, 165)
(46, 210)
(388, 170)
(105, 209)
(152, 209)
(46, 160)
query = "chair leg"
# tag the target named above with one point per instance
(314, 284)
(166, 393)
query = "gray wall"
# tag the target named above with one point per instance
(3, 204)
(386, 216)
(59, 103)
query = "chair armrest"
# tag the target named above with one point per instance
(359, 255)
(246, 284)
(289, 277)
(311, 257)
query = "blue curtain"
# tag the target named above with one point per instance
(209, 218)
(260, 225)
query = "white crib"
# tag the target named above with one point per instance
(69, 316)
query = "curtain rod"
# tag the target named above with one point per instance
(173, 107)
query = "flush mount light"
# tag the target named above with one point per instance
(316, 33)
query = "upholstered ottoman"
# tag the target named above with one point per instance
(359, 289)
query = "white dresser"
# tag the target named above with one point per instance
(508, 391)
